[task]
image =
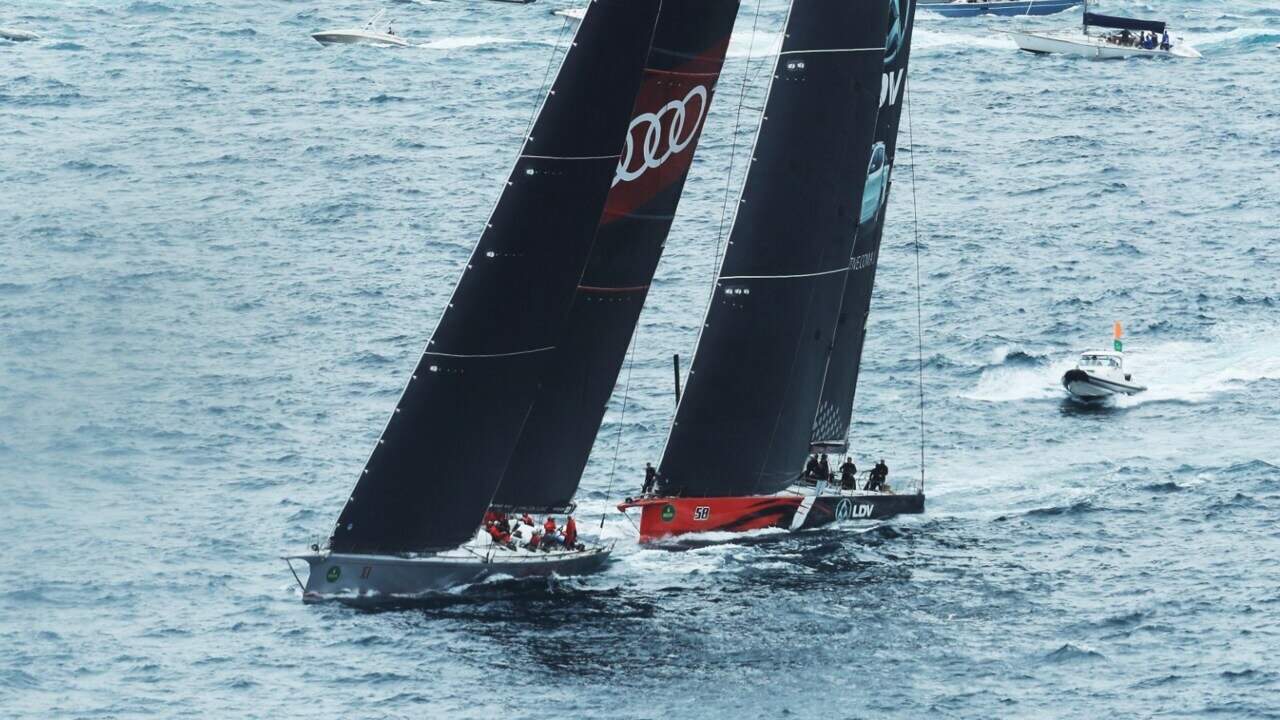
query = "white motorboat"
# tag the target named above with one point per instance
(571, 13)
(370, 34)
(1101, 374)
(17, 35)
(1132, 38)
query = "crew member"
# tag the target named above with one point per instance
(811, 468)
(536, 540)
(548, 528)
(848, 474)
(824, 468)
(498, 536)
(879, 474)
(650, 479)
(570, 534)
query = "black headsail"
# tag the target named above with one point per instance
(742, 426)
(431, 476)
(685, 60)
(831, 422)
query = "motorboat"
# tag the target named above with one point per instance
(575, 14)
(1131, 37)
(974, 8)
(17, 35)
(1101, 374)
(370, 34)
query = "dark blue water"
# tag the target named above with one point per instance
(222, 246)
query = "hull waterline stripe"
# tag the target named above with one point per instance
(783, 277)
(489, 355)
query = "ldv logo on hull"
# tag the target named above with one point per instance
(654, 137)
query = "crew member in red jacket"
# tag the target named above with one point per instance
(570, 533)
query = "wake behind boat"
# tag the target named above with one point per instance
(1133, 38)
(370, 34)
(1007, 8)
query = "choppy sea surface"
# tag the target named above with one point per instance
(222, 247)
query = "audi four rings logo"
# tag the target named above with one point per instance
(672, 122)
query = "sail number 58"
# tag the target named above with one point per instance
(701, 513)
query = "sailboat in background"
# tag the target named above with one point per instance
(411, 523)
(775, 371)
(1123, 44)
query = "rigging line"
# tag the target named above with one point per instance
(733, 150)
(915, 211)
(617, 442)
(542, 90)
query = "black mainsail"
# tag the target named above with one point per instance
(440, 458)
(835, 410)
(743, 423)
(684, 63)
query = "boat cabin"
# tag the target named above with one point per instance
(1101, 359)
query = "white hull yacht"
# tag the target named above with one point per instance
(367, 35)
(1126, 41)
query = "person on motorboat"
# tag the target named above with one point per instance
(848, 474)
(1164, 41)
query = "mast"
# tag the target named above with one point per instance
(835, 409)
(684, 63)
(436, 466)
(743, 423)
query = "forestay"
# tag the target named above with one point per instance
(743, 423)
(440, 458)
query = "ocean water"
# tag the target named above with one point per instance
(222, 246)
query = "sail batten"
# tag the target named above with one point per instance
(742, 425)
(681, 72)
(429, 480)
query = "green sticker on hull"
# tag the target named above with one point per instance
(334, 573)
(669, 513)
